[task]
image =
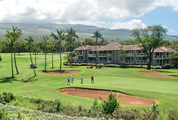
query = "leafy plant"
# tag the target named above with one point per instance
(110, 104)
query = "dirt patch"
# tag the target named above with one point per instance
(156, 74)
(95, 94)
(65, 72)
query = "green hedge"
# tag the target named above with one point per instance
(112, 65)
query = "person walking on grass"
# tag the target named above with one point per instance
(72, 78)
(82, 79)
(92, 80)
(68, 80)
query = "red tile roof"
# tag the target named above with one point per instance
(117, 46)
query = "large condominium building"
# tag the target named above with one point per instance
(112, 53)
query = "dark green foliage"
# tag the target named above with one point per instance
(95, 105)
(174, 58)
(110, 104)
(173, 115)
(3, 115)
(58, 106)
(6, 97)
(0, 58)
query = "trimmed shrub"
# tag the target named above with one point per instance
(167, 66)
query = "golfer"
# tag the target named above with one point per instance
(81, 79)
(68, 80)
(72, 78)
(92, 80)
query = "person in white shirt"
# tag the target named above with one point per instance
(82, 79)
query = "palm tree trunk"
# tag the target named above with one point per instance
(52, 60)
(32, 63)
(96, 52)
(12, 65)
(45, 57)
(60, 54)
(35, 58)
(15, 62)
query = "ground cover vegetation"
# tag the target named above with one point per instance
(33, 85)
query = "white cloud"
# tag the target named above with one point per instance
(79, 11)
(171, 30)
(128, 25)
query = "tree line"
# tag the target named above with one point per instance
(149, 39)
(54, 43)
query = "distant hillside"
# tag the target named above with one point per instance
(83, 31)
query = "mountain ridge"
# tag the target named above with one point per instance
(83, 31)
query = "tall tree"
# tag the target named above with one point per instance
(29, 44)
(15, 34)
(150, 38)
(174, 58)
(59, 37)
(51, 47)
(45, 39)
(102, 42)
(78, 43)
(88, 41)
(70, 38)
(97, 35)
(35, 50)
(10, 44)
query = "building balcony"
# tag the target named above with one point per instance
(91, 55)
(141, 54)
(102, 55)
(79, 54)
(92, 61)
(79, 60)
(142, 61)
(161, 56)
(128, 61)
(102, 61)
(129, 54)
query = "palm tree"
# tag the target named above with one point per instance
(78, 43)
(29, 44)
(45, 39)
(60, 36)
(97, 35)
(15, 34)
(10, 44)
(35, 49)
(52, 50)
(70, 37)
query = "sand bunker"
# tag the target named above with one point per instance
(95, 94)
(156, 74)
(65, 72)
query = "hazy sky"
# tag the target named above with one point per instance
(113, 14)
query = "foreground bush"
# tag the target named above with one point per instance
(55, 110)
(6, 97)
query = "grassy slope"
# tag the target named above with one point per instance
(125, 80)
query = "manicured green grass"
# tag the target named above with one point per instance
(125, 80)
